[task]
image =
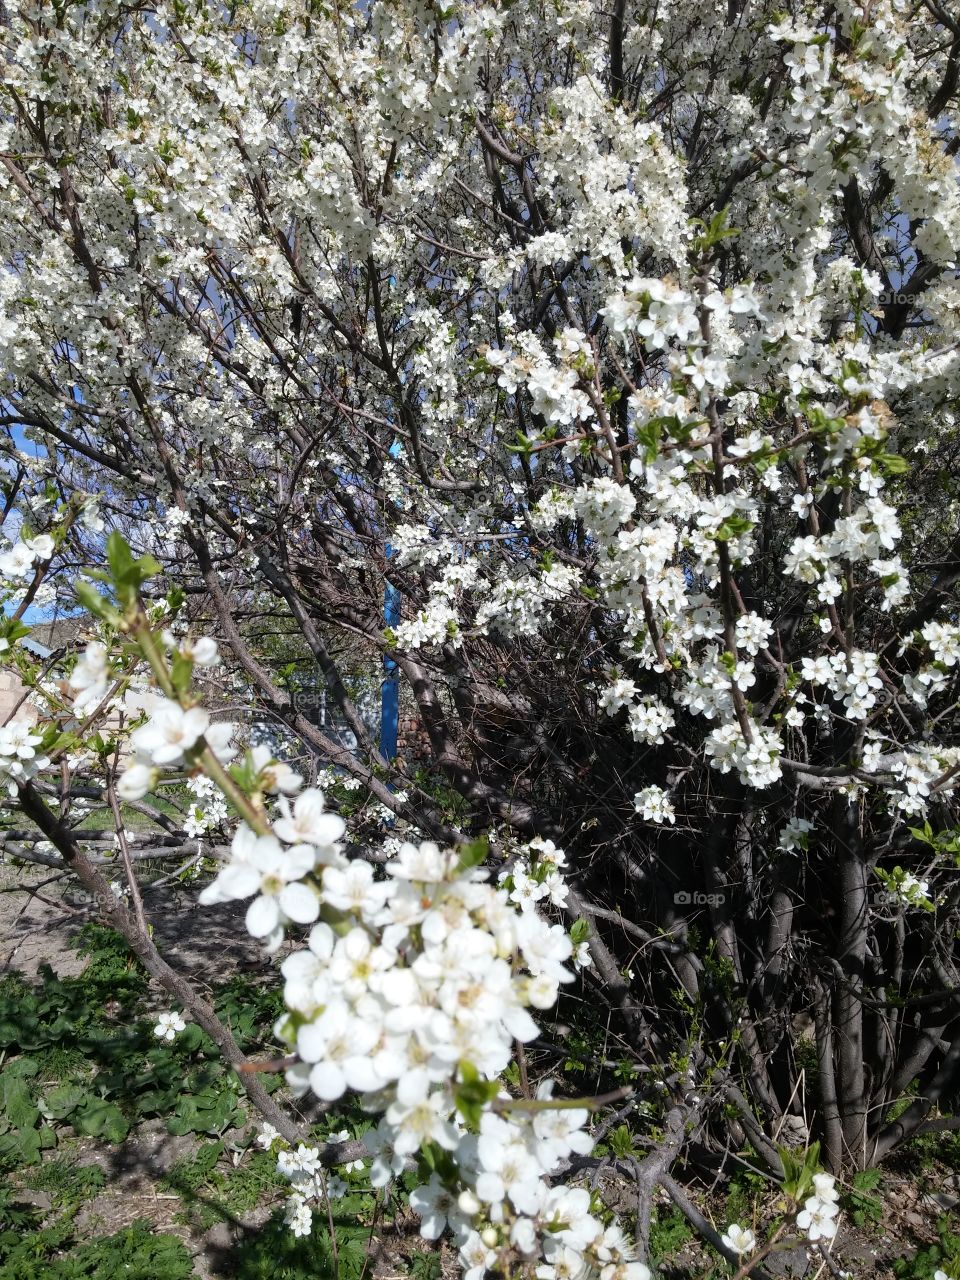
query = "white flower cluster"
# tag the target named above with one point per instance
(164, 742)
(605, 505)
(89, 679)
(415, 544)
(866, 535)
(654, 805)
(437, 624)
(209, 811)
(655, 310)
(175, 521)
(852, 677)
(18, 560)
(522, 1214)
(423, 973)
(915, 771)
(911, 891)
(405, 981)
(554, 390)
(757, 762)
(537, 877)
(518, 606)
(273, 869)
(943, 640)
(19, 761)
(709, 691)
(818, 1217)
(433, 968)
(309, 1182)
(648, 720)
(795, 835)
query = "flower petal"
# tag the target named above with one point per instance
(327, 1081)
(238, 880)
(299, 903)
(263, 916)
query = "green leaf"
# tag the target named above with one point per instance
(60, 1102)
(101, 1119)
(714, 231)
(53, 739)
(22, 1146)
(16, 1103)
(732, 527)
(119, 557)
(23, 1067)
(473, 853)
(181, 673)
(894, 464)
(91, 599)
(128, 574)
(524, 446)
(649, 435)
(12, 630)
(579, 931)
(191, 1038)
(473, 1093)
(208, 1111)
(620, 1142)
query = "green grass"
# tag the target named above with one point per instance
(40, 1245)
(79, 1062)
(669, 1232)
(101, 818)
(213, 1194)
(942, 1256)
(31, 1251)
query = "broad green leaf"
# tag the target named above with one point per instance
(101, 1119)
(60, 1102)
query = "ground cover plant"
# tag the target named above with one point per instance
(500, 461)
(83, 1069)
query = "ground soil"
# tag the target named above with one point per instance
(40, 915)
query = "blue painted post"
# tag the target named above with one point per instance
(390, 693)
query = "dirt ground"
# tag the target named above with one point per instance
(40, 915)
(205, 943)
(209, 945)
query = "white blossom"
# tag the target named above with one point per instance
(168, 1025)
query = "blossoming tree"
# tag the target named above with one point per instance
(622, 343)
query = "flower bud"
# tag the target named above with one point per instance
(203, 651)
(136, 781)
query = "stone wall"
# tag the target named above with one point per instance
(11, 692)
